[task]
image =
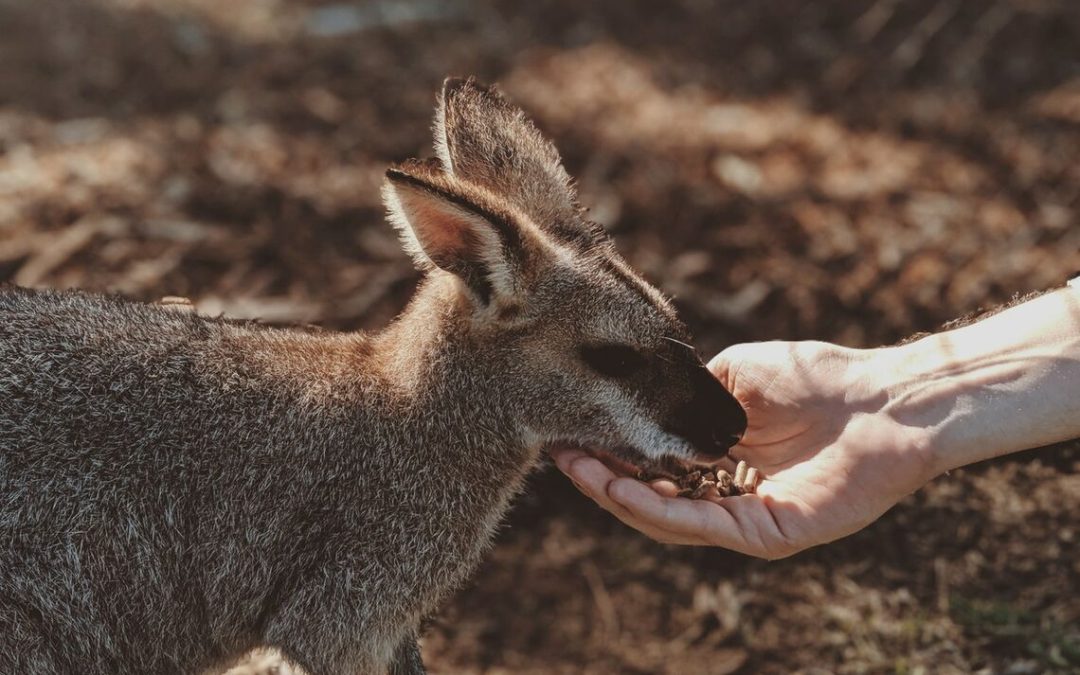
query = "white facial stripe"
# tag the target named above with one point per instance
(633, 428)
(639, 431)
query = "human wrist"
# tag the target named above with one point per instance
(879, 382)
(929, 391)
(993, 387)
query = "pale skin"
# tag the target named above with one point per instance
(841, 435)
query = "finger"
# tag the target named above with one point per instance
(725, 365)
(655, 533)
(594, 479)
(674, 514)
(665, 487)
(565, 456)
(722, 364)
(653, 529)
(740, 524)
(757, 518)
(591, 474)
(719, 366)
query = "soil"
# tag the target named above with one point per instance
(852, 172)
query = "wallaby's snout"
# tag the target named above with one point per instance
(712, 420)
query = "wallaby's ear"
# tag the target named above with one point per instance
(482, 138)
(458, 229)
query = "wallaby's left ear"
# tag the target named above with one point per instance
(484, 139)
(460, 230)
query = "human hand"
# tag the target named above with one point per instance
(833, 456)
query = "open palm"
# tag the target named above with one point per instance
(832, 457)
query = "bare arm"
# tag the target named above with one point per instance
(1007, 383)
(842, 435)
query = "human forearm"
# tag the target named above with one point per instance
(1003, 384)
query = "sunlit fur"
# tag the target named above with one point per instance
(176, 490)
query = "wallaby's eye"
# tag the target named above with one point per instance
(613, 360)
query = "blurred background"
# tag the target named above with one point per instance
(853, 172)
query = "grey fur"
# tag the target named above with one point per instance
(176, 490)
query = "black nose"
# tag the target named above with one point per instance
(713, 420)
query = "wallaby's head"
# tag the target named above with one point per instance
(597, 356)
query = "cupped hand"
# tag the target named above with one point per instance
(832, 457)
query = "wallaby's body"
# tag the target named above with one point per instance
(176, 490)
(205, 487)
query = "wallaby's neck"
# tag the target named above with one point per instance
(452, 387)
(429, 416)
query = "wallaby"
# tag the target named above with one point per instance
(176, 490)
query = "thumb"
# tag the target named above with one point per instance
(757, 358)
(720, 364)
(724, 365)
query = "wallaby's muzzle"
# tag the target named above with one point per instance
(712, 420)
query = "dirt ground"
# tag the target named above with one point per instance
(852, 172)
